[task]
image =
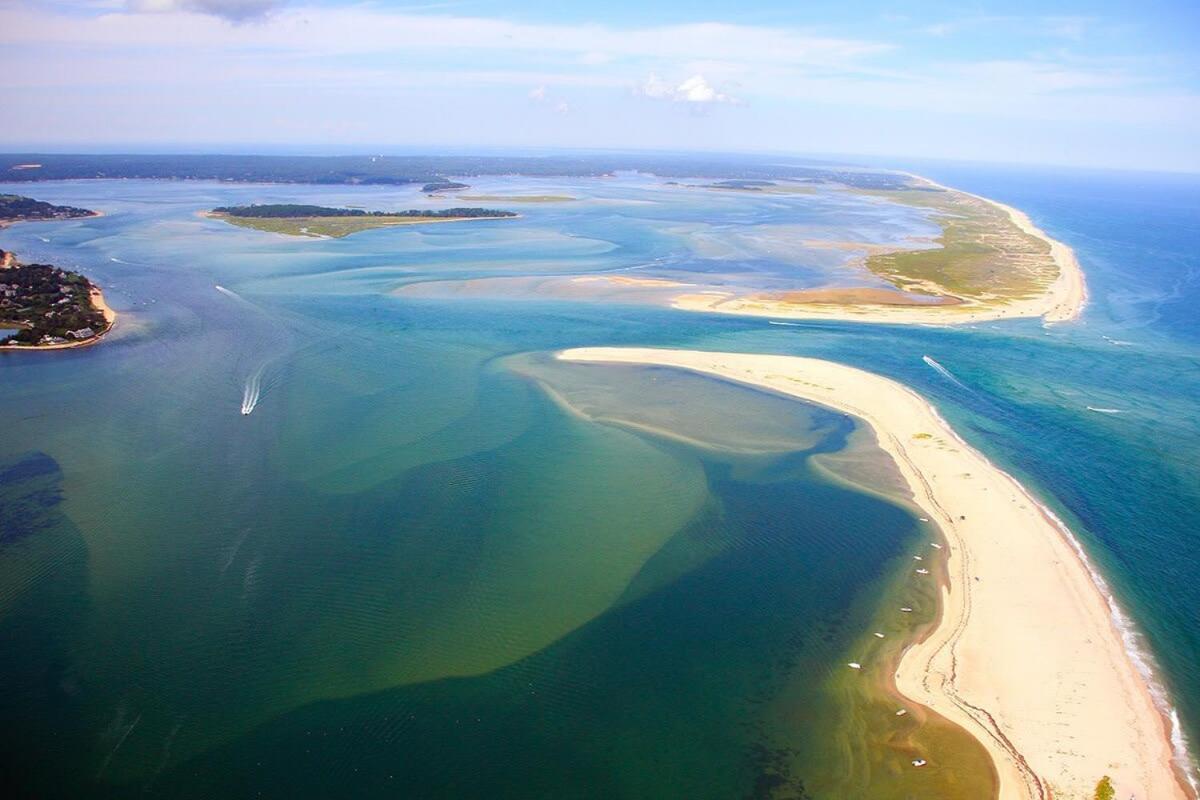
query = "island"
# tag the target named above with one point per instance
(1025, 647)
(442, 186)
(49, 307)
(326, 222)
(16, 208)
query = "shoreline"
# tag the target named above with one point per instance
(1072, 295)
(1062, 301)
(95, 293)
(394, 222)
(98, 303)
(1029, 654)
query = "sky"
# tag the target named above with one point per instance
(1095, 84)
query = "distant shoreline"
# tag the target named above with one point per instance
(4, 223)
(1026, 646)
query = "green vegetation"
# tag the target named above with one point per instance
(746, 185)
(318, 221)
(983, 256)
(1105, 790)
(399, 170)
(442, 186)
(14, 208)
(47, 305)
(291, 211)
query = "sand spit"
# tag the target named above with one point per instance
(1063, 299)
(1027, 656)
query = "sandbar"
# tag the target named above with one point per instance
(1028, 655)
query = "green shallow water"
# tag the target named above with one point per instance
(430, 562)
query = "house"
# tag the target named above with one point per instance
(82, 333)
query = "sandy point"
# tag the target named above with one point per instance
(1027, 655)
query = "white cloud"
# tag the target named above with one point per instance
(695, 89)
(538, 95)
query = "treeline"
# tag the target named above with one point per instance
(290, 210)
(46, 301)
(395, 170)
(16, 207)
(442, 186)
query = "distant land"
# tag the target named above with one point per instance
(16, 208)
(323, 221)
(443, 186)
(424, 170)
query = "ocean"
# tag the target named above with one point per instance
(296, 530)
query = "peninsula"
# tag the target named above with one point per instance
(1026, 655)
(327, 222)
(989, 262)
(50, 308)
(16, 208)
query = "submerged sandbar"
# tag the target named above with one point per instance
(1026, 656)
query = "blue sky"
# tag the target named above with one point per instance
(1092, 84)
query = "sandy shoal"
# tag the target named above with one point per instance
(1062, 301)
(1026, 656)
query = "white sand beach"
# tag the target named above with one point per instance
(1026, 656)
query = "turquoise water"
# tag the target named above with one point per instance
(409, 570)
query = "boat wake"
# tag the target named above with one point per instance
(1099, 410)
(252, 391)
(789, 324)
(945, 373)
(227, 292)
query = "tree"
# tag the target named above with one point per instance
(1105, 790)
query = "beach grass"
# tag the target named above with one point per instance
(982, 255)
